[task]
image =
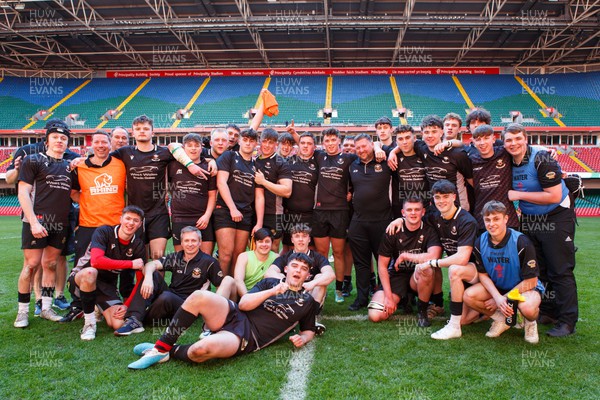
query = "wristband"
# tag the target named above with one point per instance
(437, 264)
(188, 164)
(175, 149)
(431, 263)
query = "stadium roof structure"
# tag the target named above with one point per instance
(87, 36)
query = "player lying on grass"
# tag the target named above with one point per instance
(266, 313)
(505, 260)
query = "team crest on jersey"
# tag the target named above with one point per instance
(551, 175)
(531, 263)
(453, 231)
(129, 252)
(421, 238)
(445, 160)
(155, 158)
(112, 246)
(179, 172)
(340, 161)
(378, 168)
(220, 274)
(312, 167)
(267, 164)
(500, 164)
(196, 273)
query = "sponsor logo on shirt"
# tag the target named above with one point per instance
(551, 175)
(531, 263)
(104, 185)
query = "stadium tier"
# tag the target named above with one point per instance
(590, 156)
(359, 100)
(500, 95)
(424, 95)
(225, 100)
(576, 97)
(300, 98)
(363, 100)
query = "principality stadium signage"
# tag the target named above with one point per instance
(301, 71)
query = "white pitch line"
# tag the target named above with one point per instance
(10, 237)
(297, 377)
(360, 317)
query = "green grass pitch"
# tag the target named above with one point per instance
(355, 359)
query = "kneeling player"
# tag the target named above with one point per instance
(457, 231)
(191, 269)
(505, 260)
(414, 243)
(113, 248)
(267, 312)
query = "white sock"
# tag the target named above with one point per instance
(24, 307)
(455, 320)
(46, 302)
(90, 319)
(498, 316)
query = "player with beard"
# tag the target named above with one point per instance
(265, 314)
(415, 243)
(237, 200)
(193, 199)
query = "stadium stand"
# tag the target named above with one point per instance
(424, 95)
(361, 101)
(225, 100)
(358, 99)
(575, 96)
(588, 206)
(500, 95)
(299, 98)
(590, 156)
(21, 98)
